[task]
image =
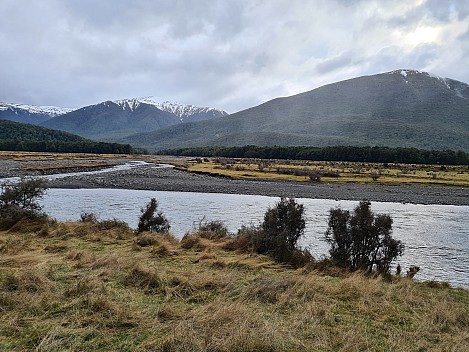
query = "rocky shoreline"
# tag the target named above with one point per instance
(152, 177)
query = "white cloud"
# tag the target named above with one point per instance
(227, 54)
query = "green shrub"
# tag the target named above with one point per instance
(19, 201)
(151, 220)
(277, 236)
(362, 240)
(283, 225)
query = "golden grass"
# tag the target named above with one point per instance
(347, 172)
(76, 287)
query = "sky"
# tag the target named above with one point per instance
(227, 54)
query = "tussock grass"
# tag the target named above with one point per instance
(331, 171)
(79, 286)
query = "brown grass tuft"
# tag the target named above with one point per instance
(25, 281)
(146, 279)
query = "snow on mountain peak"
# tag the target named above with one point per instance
(180, 110)
(130, 104)
(52, 111)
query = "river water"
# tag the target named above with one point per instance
(436, 237)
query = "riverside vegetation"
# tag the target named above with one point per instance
(99, 285)
(330, 171)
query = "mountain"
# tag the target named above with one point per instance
(191, 113)
(112, 119)
(402, 108)
(115, 119)
(29, 113)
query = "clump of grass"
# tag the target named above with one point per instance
(143, 278)
(24, 281)
(193, 241)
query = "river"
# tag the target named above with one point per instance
(436, 237)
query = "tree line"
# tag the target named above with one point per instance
(84, 146)
(338, 153)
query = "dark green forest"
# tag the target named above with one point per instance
(16, 136)
(340, 153)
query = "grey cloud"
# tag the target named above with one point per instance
(227, 54)
(443, 10)
(333, 64)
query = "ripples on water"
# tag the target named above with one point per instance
(436, 236)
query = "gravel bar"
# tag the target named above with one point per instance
(149, 177)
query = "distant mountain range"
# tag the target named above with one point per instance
(402, 108)
(112, 120)
(109, 119)
(29, 113)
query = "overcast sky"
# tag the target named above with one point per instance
(229, 54)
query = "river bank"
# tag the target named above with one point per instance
(152, 177)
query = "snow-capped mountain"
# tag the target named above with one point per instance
(460, 89)
(30, 113)
(190, 112)
(111, 120)
(185, 112)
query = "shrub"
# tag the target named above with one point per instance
(88, 217)
(19, 201)
(278, 235)
(284, 224)
(212, 230)
(150, 222)
(362, 240)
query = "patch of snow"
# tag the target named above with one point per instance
(404, 74)
(36, 110)
(180, 110)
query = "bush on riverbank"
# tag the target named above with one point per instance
(362, 240)
(20, 201)
(277, 236)
(152, 220)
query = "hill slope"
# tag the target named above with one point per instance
(402, 108)
(25, 137)
(10, 130)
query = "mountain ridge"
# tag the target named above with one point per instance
(111, 120)
(407, 108)
(30, 113)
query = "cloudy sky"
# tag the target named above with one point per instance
(229, 54)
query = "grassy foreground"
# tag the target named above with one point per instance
(96, 287)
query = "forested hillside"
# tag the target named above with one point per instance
(23, 137)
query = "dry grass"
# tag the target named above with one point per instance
(342, 172)
(77, 287)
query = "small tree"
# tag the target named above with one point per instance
(150, 222)
(278, 235)
(362, 240)
(20, 200)
(285, 222)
